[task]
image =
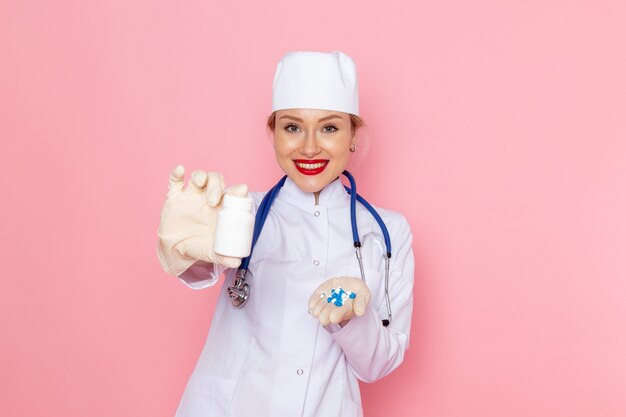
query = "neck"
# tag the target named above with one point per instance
(316, 194)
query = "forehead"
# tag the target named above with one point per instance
(310, 115)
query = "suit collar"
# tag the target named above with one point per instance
(333, 195)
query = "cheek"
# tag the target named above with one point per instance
(283, 152)
(280, 147)
(341, 152)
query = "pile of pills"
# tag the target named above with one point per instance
(339, 296)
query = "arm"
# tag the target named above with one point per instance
(372, 350)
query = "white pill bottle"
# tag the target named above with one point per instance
(235, 224)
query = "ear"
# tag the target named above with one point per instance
(355, 134)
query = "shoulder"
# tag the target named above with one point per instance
(397, 225)
(257, 197)
(394, 220)
(401, 239)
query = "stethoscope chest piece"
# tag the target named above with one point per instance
(240, 290)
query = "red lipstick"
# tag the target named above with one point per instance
(310, 166)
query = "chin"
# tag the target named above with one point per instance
(309, 188)
(308, 185)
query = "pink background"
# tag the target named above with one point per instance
(497, 128)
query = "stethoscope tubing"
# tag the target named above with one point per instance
(262, 213)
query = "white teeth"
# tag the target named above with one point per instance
(310, 166)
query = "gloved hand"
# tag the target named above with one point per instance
(330, 312)
(188, 220)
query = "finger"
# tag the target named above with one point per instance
(319, 307)
(199, 179)
(177, 179)
(316, 296)
(239, 190)
(207, 254)
(316, 304)
(228, 261)
(199, 248)
(338, 314)
(193, 247)
(312, 303)
(197, 182)
(324, 316)
(215, 188)
(360, 302)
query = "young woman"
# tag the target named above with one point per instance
(293, 349)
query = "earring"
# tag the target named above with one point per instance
(353, 148)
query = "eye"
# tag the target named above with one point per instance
(289, 127)
(334, 129)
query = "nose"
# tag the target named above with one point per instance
(310, 147)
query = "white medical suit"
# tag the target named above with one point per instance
(271, 358)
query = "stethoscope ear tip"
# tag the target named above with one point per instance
(385, 322)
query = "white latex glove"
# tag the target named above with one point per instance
(326, 312)
(188, 220)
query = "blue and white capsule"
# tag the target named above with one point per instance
(338, 296)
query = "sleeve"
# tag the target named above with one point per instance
(371, 349)
(202, 275)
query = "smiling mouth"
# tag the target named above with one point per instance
(310, 166)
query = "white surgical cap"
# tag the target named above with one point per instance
(316, 80)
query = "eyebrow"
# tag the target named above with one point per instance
(332, 116)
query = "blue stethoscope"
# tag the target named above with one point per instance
(240, 290)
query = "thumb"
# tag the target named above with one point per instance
(228, 261)
(177, 179)
(359, 304)
(214, 188)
